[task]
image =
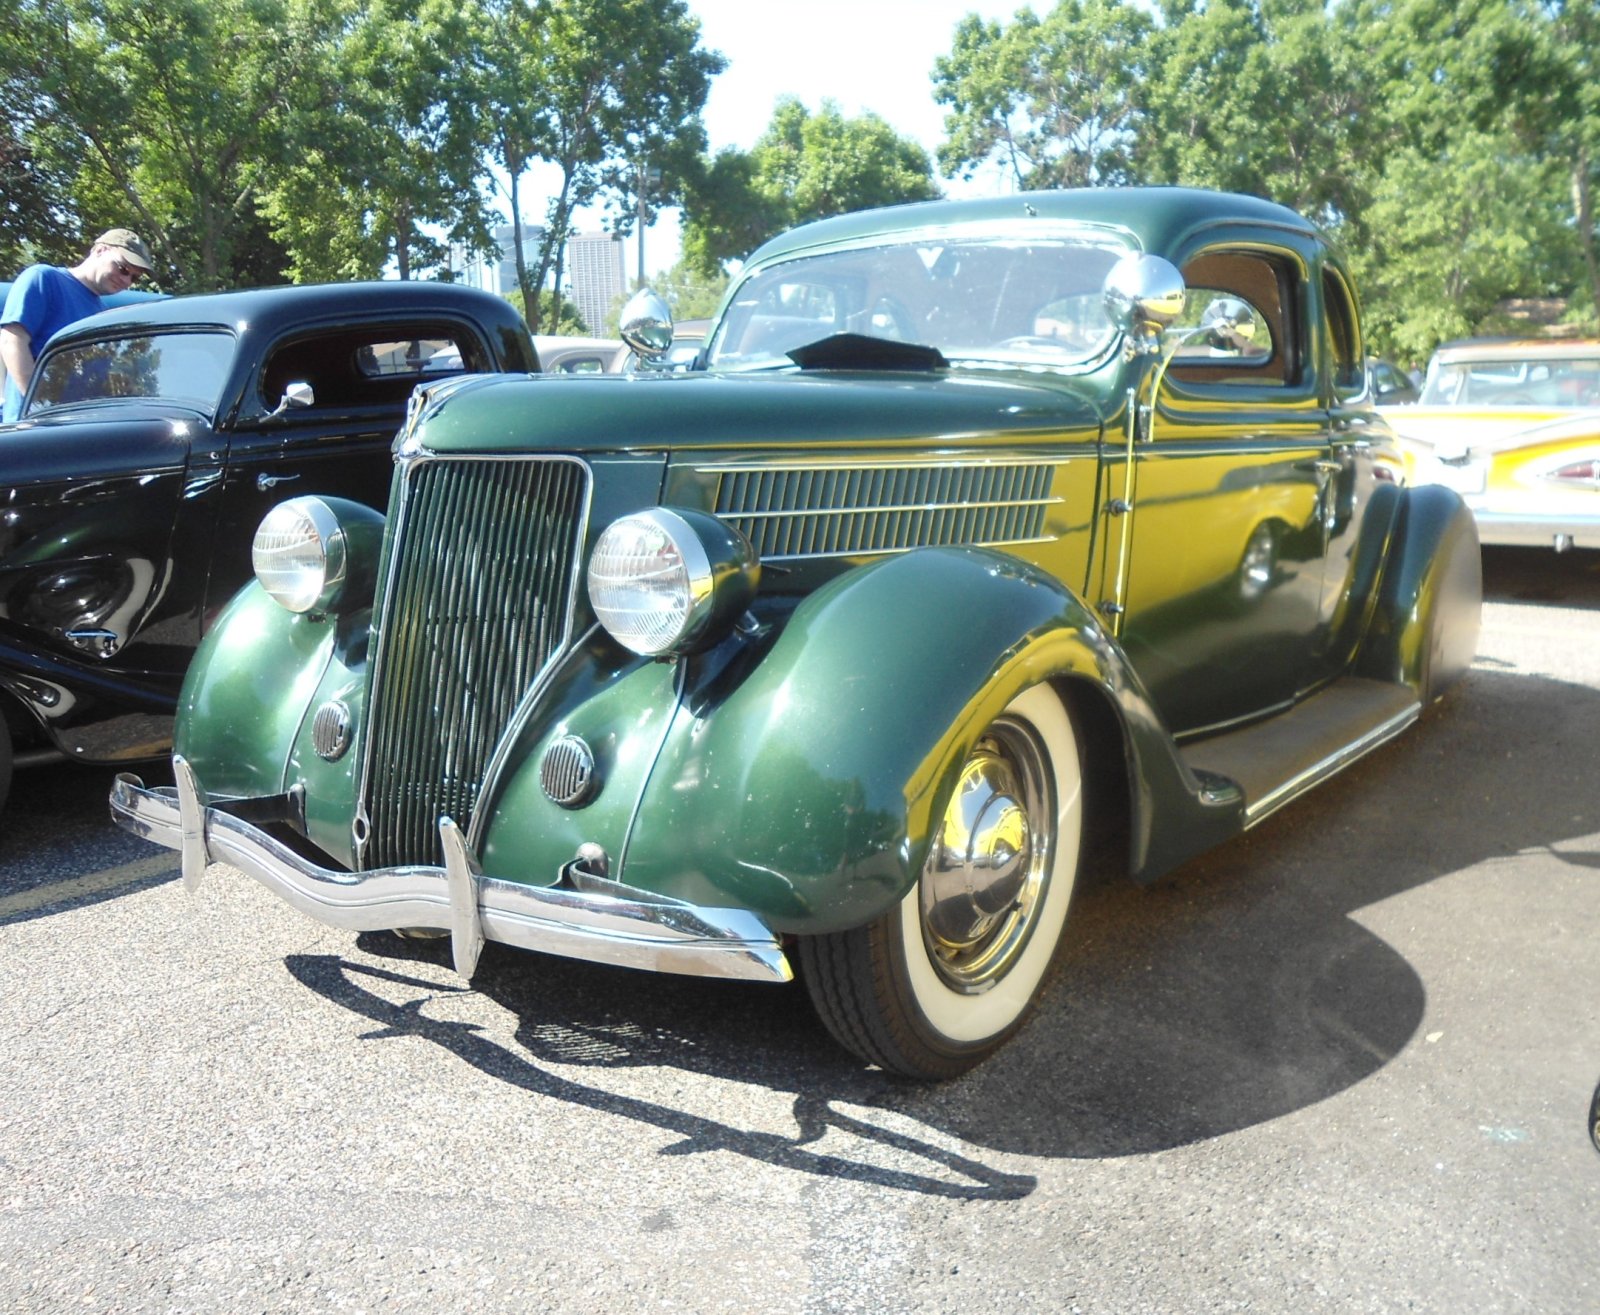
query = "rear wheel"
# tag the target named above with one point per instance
(5, 762)
(948, 974)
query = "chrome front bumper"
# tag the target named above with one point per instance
(603, 921)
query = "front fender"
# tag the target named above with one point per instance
(247, 691)
(809, 789)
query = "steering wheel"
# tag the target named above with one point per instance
(887, 319)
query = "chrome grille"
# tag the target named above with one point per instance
(834, 511)
(477, 600)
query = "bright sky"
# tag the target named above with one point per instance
(865, 54)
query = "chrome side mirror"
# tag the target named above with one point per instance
(1230, 324)
(295, 397)
(647, 325)
(1143, 294)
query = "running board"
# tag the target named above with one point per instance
(1276, 760)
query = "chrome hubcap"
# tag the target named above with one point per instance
(1255, 575)
(986, 873)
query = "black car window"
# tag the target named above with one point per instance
(371, 366)
(1344, 336)
(188, 368)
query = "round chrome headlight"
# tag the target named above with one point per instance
(665, 581)
(299, 555)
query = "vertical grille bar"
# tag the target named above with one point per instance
(478, 605)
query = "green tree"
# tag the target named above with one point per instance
(1435, 270)
(35, 209)
(1055, 101)
(1476, 147)
(804, 166)
(690, 292)
(388, 146)
(165, 115)
(556, 92)
(555, 313)
(1220, 114)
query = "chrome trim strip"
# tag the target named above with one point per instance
(500, 758)
(773, 514)
(829, 465)
(893, 552)
(1329, 766)
(625, 927)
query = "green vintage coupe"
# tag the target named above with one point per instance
(981, 538)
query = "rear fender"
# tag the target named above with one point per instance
(1425, 631)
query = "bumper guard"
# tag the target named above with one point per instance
(603, 922)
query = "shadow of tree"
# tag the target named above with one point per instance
(1239, 991)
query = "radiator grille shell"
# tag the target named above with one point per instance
(477, 592)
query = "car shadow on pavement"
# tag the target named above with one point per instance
(1539, 575)
(1239, 990)
(60, 850)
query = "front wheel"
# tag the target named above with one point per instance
(947, 975)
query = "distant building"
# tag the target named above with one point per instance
(595, 276)
(499, 276)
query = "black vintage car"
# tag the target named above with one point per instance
(154, 438)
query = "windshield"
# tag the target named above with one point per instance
(1514, 381)
(977, 300)
(188, 368)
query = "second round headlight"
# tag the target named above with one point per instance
(312, 554)
(665, 581)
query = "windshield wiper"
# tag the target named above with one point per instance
(860, 351)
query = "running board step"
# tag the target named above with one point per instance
(1275, 760)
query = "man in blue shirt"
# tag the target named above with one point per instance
(47, 297)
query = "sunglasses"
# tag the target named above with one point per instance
(126, 270)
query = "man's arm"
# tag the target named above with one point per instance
(16, 350)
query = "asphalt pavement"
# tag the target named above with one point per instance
(1343, 1063)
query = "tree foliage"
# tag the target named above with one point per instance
(1451, 146)
(593, 89)
(1054, 100)
(386, 150)
(248, 140)
(804, 166)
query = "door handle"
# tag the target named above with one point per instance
(103, 643)
(1327, 465)
(265, 481)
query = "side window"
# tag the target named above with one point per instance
(375, 365)
(1344, 336)
(1267, 351)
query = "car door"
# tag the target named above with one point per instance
(1361, 496)
(97, 619)
(1224, 533)
(338, 443)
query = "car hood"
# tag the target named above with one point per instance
(1453, 431)
(780, 409)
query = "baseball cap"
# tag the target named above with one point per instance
(130, 244)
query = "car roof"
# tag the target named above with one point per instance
(561, 342)
(270, 311)
(1511, 349)
(1157, 218)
